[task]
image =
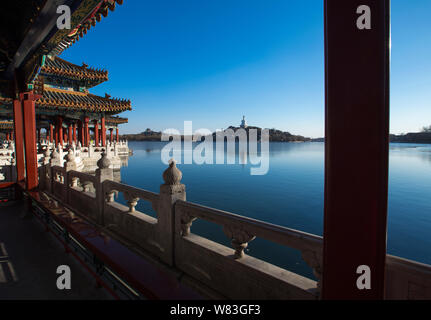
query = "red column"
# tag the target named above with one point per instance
(96, 133)
(60, 130)
(117, 135)
(70, 131)
(74, 133)
(51, 132)
(29, 116)
(111, 135)
(80, 133)
(19, 139)
(356, 150)
(11, 135)
(7, 136)
(86, 132)
(103, 136)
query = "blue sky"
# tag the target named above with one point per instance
(212, 61)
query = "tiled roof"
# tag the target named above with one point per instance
(6, 125)
(73, 100)
(116, 120)
(58, 66)
(89, 21)
(4, 100)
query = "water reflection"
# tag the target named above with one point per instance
(291, 194)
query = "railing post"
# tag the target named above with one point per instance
(171, 191)
(104, 172)
(69, 165)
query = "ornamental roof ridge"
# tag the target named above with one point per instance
(58, 98)
(88, 21)
(61, 67)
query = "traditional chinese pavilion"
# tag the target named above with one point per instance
(40, 93)
(66, 108)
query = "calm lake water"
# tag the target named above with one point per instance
(291, 195)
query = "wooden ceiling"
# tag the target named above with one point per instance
(28, 31)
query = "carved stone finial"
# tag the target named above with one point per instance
(172, 175)
(70, 157)
(104, 161)
(55, 154)
(46, 154)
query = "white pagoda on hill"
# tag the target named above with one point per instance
(243, 123)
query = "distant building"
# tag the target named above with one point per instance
(243, 123)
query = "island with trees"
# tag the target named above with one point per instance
(274, 135)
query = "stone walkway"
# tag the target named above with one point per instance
(29, 257)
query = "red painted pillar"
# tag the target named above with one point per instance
(80, 133)
(86, 132)
(103, 135)
(29, 116)
(117, 135)
(60, 130)
(74, 132)
(70, 131)
(111, 134)
(356, 149)
(19, 139)
(96, 133)
(11, 135)
(7, 136)
(51, 132)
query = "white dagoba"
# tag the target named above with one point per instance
(243, 123)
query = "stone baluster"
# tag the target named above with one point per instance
(186, 223)
(132, 200)
(239, 239)
(110, 196)
(86, 185)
